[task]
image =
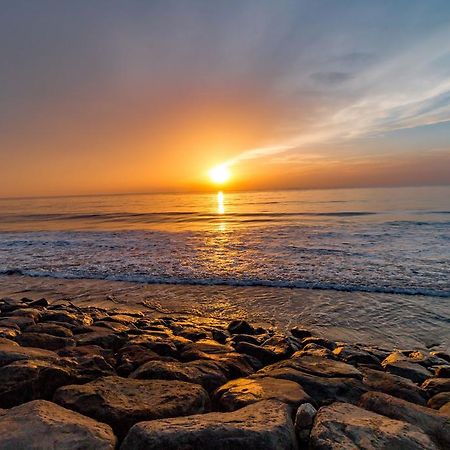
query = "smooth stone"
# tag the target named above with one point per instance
(300, 333)
(240, 327)
(42, 425)
(434, 386)
(244, 391)
(130, 357)
(265, 356)
(393, 385)
(264, 425)
(439, 400)
(40, 303)
(124, 319)
(104, 339)
(16, 322)
(192, 333)
(45, 341)
(326, 343)
(113, 326)
(323, 390)
(347, 427)
(91, 367)
(122, 402)
(27, 380)
(11, 353)
(436, 425)
(282, 346)
(160, 345)
(412, 370)
(304, 417)
(354, 355)
(50, 328)
(206, 373)
(219, 335)
(67, 317)
(237, 338)
(31, 313)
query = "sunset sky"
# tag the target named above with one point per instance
(137, 96)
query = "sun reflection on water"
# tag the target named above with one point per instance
(220, 203)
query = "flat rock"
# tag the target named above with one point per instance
(323, 390)
(263, 425)
(326, 343)
(206, 373)
(50, 328)
(264, 355)
(78, 319)
(435, 386)
(354, 355)
(245, 391)
(11, 353)
(42, 425)
(27, 380)
(393, 385)
(105, 339)
(45, 341)
(436, 425)
(342, 426)
(412, 370)
(445, 409)
(300, 332)
(122, 402)
(439, 400)
(16, 322)
(160, 345)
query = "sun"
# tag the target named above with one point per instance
(219, 174)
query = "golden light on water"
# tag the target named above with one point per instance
(219, 174)
(220, 203)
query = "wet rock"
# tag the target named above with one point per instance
(91, 367)
(130, 357)
(237, 338)
(282, 346)
(18, 322)
(425, 359)
(4, 341)
(354, 355)
(43, 340)
(219, 335)
(323, 390)
(439, 400)
(124, 319)
(436, 425)
(263, 425)
(42, 425)
(207, 346)
(300, 333)
(104, 339)
(192, 333)
(31, 313)
(412, 370)
(345, 426)
(113, 326)
(245, 391)
(11, 353)
(50, 328)
(159, 345)
(322, 367)
(317, 351)
(393, 385)
(445, 409)
(206, 373)
(442, 371)
(9, 333)
(326, 343)
(122, 402)
(441, 355)
(27, 380)
(304, 419)
(240, 327)
(40, 303)
(434, 386)
(260, 353)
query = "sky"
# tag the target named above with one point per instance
(141, 96)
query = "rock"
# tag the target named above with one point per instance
(160, 345)
(130, 357)
(436, 425)
(442, 371)
(113, 326)
(104, 339)
(42, 425)
(393, 385)
(9, 333)
(425, 359)
(315, 350)
(263, 425)
(345, 426)
(240, 327)
(434, 386)
(282, 346)
(237, 338)
(122, 402)
(4, 341)
(439, 400)
(43, 340)
(323, 390)
(31, 313)
(322, 367)
(445, 409)
(91, 367)
(326, 343)
(206, 373)
(412, 370)
(18, 322)
(441, 355)
(27, 380)
(124, 319)
(11, 353)
(219, 335)
(192, 333)
(260, 353)
(245, 391)
(67, 317)
(50, 328)
(304, 419)
(40, 303)
(354, 355)
(300, 333)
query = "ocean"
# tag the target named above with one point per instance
(373, 261)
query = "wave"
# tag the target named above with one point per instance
(231, 282)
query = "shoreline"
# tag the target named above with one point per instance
(372, 318)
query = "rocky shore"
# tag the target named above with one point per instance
(93, 378)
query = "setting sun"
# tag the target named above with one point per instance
(219, 174)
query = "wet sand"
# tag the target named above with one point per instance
(398, 321)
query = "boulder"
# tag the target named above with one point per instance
(441, 355)
(439, 400)
(19, 323)
(354, 355)
(326, 343)
(67, 317)
(282, 346)
(45, 341)
(436, 425)
(160, 345)
(442, 371)
(394, 385)
(412, 370)
(42, 425)
(219, 335)
(206, 373)
(50, 328)
(435, 386)
(445, 409)
(245, 391)
(130, 357)
(263, 425)
(105, 339)
(240, 327)
(300, 333)
(122, 402)
(9, 333)
(11, 353)
(346, 427)
(27, 380)
(304, 419)
(265, 356)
